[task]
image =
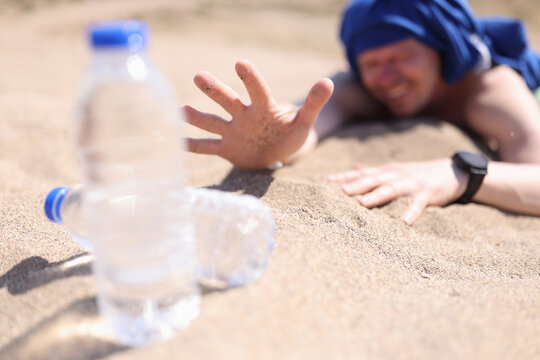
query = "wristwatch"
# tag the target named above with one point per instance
(476, 166)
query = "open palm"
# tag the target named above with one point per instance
(260, 133)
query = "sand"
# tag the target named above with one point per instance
(343, 282)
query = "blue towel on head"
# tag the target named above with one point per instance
(465, 42)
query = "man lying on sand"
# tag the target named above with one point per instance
(407, 58)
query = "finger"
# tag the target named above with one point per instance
(349, 175)
(345, 176)
(368, 170)
(258, 90)
(317, 97)
(367, 183)
(205, 121)
(219, 92)
(382, 195)
(204, 146)
(417, 205)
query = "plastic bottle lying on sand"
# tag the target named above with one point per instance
(63, 206)
(128, 140)
(234, 233)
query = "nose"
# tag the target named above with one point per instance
(387, 74)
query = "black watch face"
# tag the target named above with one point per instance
(473, 160)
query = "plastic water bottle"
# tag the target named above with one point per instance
(127, 134)
(234, 233)
(63, 206)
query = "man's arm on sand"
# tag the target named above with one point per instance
(503, 109)
(439, 182)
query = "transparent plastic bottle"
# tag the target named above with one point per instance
(63, 206)
(234, 233)
(128, 140)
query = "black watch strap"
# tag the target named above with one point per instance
(476, 166)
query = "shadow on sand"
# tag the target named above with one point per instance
(36, 271)
(254, 183)
(73, 333)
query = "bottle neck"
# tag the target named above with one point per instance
(122, 61)
(116, 53)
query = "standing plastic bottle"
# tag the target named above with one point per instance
(128, 141)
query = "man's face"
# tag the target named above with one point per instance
(403, 75)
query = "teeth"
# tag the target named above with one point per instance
(398, 92)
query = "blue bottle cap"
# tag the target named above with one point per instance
(129, 34)
(53, 202)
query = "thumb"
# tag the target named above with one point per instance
(317, 97)
(417, 204)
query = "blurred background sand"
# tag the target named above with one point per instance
(343, 282)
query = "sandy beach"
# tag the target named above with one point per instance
(343, 282)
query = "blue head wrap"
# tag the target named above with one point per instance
(448, 26)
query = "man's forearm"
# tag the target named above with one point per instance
(513, 187)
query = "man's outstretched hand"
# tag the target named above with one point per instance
(424, 183)
(260, 133)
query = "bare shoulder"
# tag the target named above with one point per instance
(499, 74)
(501, 107)
(498, 83)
